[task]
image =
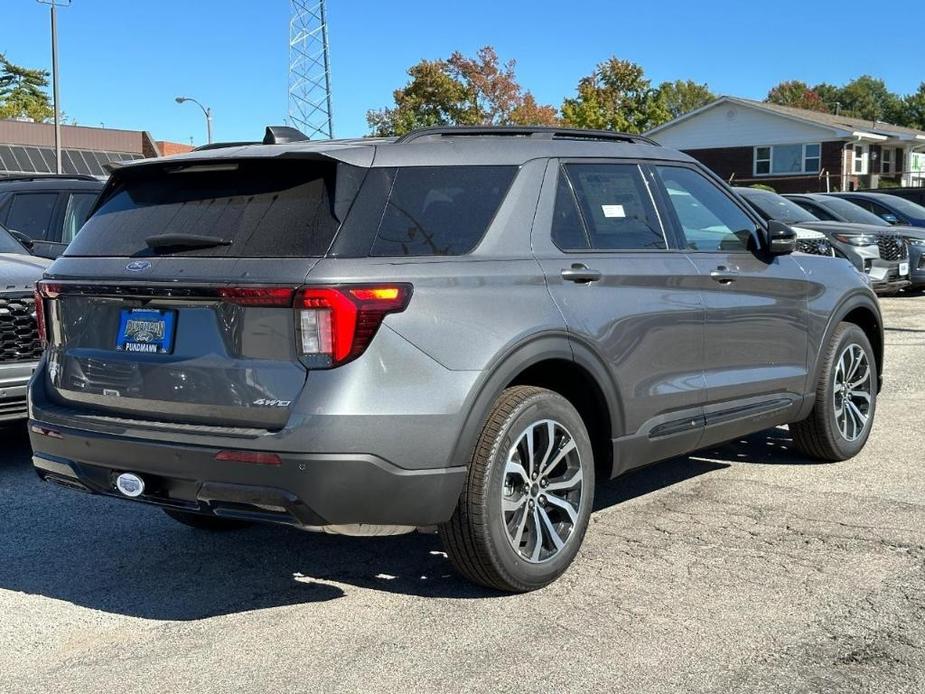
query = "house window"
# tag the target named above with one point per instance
(762, 160)
(886, 160)
(787, 159)
(859, 159)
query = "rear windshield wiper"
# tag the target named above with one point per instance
(185, 241)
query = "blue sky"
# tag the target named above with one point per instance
(123, 62)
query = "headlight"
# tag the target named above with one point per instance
(915, 242)
(857, 239)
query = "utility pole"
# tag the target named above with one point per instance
(54, 74)
(206, 111)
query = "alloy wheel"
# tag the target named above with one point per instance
(852, 392)
(542, 488)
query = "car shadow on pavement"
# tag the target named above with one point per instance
(123, 558)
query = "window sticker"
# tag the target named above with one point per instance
(613, 211)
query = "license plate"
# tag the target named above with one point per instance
(903, 269)
(146, 330)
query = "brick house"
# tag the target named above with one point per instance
(794, 150)
(28, 148)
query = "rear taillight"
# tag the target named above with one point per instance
(44, 291)
(336, 324)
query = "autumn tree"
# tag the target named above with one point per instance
(796, 94)
(683, 96)
(22, 92)
(460, 90)
(616, 96)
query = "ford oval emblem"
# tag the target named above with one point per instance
(138, 265)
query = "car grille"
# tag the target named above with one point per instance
(892, 247)
(814, 246)
(19, 333)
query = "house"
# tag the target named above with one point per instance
(794, 150)
(28, 148)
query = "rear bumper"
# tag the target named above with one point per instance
(14, 381)
(305, 490)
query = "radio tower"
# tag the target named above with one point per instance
(309, 69)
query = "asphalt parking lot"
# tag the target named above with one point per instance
(740, 569)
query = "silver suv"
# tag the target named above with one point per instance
(461, 328)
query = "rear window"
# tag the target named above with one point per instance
(423, 210)
(256, 208)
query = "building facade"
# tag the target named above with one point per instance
(794, 150)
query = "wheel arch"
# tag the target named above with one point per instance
(555, 362)
(861, 310)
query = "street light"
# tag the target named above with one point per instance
(206, 111)
(54, 73)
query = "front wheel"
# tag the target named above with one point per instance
(846, 399)
(528, 495)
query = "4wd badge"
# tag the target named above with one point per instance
(264, 402)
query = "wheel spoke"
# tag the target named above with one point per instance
(567, 448)
(859, 416)
(537, 535)
(519, 532)
(863, 395)
(510, 505)
(565, 484)
(516, 468)
(531, 459)
(566, 506)
(550, 529)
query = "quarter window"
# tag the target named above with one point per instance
(615, 209)
(709, 218)
(787, 159)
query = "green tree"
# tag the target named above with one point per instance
(460, 90)
(867, 97)
(912, 109)
(829, 94)
(682, 96)
(616, 96)
(796, 94)
(22, 92)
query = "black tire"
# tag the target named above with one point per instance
(477, 538)
(201, 521)
(819, 435)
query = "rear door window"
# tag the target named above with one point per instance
(254, 208)
(615, 207)
(30, 214)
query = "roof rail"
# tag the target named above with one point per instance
(39, 177)
(539, 132)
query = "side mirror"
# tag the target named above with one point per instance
(47, 249)
(781, 239)
(22, 238)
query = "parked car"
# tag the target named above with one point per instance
(20, 347)
(889, 208)
(880, 254)
(916, 194)
(46, 211)
(809, 241)
(461, 328)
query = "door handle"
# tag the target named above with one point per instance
(725, 275)
(580, 274)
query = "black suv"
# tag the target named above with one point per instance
(46, 212)
(462, 328)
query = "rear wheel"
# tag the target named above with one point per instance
(202, 521)
(846, 399)
(528, 496)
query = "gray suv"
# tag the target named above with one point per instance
(461, 329)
